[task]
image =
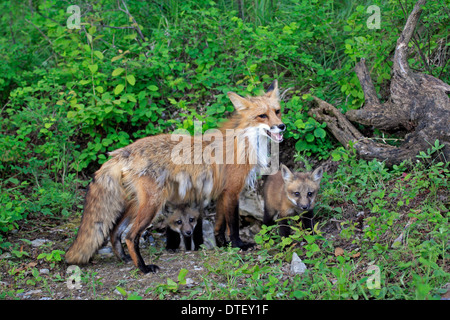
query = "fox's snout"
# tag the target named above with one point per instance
(278, 128)
(276, 132)
(304, 206)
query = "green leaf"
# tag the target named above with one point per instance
(131, 79)
(320, 133)
(309, 137)
(171, 285)
(336, 155)
(117, 72)
(106, 142)
(118, 89)
(121, 291)
(93, 68)
(89, 37)
(182, 276)
(14, 181)
(152, 87)
(42, 255)
(92, 30)
(71, 114)
(299, 124)
(300, 294)
(130, 36)
(120, 56)
(301, 145)
(99, 54)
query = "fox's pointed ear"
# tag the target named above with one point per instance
(317, 174)
(239, 102)
(169, 205)
(286, 174)
(273, 91)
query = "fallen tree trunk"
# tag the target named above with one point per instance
(418, 103)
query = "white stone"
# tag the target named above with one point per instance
(297, 265)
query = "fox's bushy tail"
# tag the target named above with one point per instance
(104, 204)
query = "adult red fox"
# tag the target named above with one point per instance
(287, 194)
(139, 179)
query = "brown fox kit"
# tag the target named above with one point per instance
(184, 225)
(135, 184)
(182, 220)
(287, 194)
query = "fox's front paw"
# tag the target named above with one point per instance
(221, 241)
(149, 268)
(126, 258)
(242, 245)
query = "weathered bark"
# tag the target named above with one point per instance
(418, 103)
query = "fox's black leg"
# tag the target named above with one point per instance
(137, 258)
(308, 220)
(233, 226)
(198, 234)
(116, 237)
(173, 240)
(284, 230)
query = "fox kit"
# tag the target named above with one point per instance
(139, 179)
(287, 194)
(184, 225)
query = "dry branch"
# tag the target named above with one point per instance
(418, 103)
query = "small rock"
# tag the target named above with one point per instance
(106, 251)
(297, 265)
(251, 204)
(209, 240)
(190, 282)
(6, 255)
(398, 241)
(44, 271)
(29, 293)
(446, 296)
(38, 242)
(125, 269)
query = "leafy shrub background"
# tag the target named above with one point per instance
(68, 96)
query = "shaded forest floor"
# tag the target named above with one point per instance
(396, 220)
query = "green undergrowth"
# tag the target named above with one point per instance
(70, 96)
(382, 234)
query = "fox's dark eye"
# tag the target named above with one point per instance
(262, 116)
(296, 194)
(179, 222)
(277, 111)
(309, 194)
(191, 219)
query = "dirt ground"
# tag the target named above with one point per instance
(32, 277)
(26, 276)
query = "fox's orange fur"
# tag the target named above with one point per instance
(139, 179)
